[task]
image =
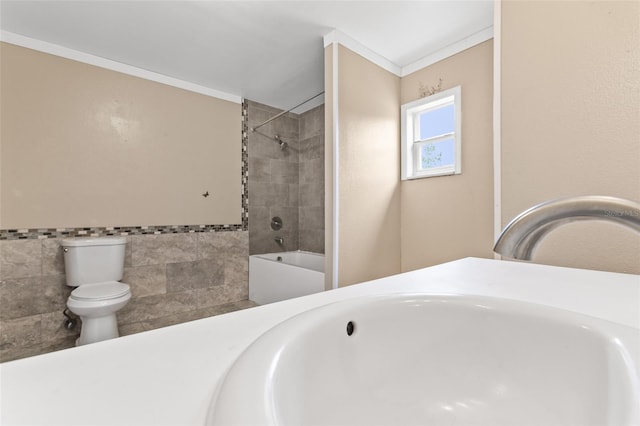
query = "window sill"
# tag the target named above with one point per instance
(447, 172)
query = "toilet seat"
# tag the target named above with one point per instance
(100, 291)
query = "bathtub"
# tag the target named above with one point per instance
(279, 276)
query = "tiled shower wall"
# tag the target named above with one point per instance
(173, 277)
(286, 183)
(273, 179)
(311, 189)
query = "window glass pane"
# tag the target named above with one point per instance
(437, 154)
(437, 122)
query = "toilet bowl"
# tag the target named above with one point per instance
(96, 305)
(94, 267)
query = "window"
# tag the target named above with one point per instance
(431, 135)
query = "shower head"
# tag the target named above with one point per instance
(283, 144)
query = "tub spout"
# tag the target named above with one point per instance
(520, 237)
(279, 240)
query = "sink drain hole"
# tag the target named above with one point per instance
(351, 327)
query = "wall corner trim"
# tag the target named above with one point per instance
(75, 55)
(335, 273)
(497, 123)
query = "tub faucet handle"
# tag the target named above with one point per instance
(276, 223)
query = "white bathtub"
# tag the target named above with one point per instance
(279, 276)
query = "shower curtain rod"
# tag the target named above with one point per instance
(253, 129)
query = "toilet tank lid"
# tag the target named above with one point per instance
(102, 241)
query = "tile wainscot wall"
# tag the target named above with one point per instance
(173, 277)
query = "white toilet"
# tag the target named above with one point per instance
(94, 266)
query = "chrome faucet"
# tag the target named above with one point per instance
(279, 240)
(519, 238)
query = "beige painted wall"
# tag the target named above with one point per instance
(369, 169)
(84, 146)
(571, 120)
(449, 217)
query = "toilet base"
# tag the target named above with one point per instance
(98, 317)
(97, 329)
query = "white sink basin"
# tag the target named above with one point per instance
(435, 360)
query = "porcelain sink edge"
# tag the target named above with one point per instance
(613, 333)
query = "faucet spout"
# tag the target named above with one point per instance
(520, 237)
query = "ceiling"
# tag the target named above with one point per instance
(267, 51)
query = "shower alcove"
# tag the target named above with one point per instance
(286, 182)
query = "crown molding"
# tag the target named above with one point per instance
(75, 55)
(338, 37)
(335, 36)
(450, 50)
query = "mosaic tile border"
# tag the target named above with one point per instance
(28, 234)
(44, 233)
(245, 164)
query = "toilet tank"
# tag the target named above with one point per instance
(93, 260)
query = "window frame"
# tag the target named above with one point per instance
(410, 142)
